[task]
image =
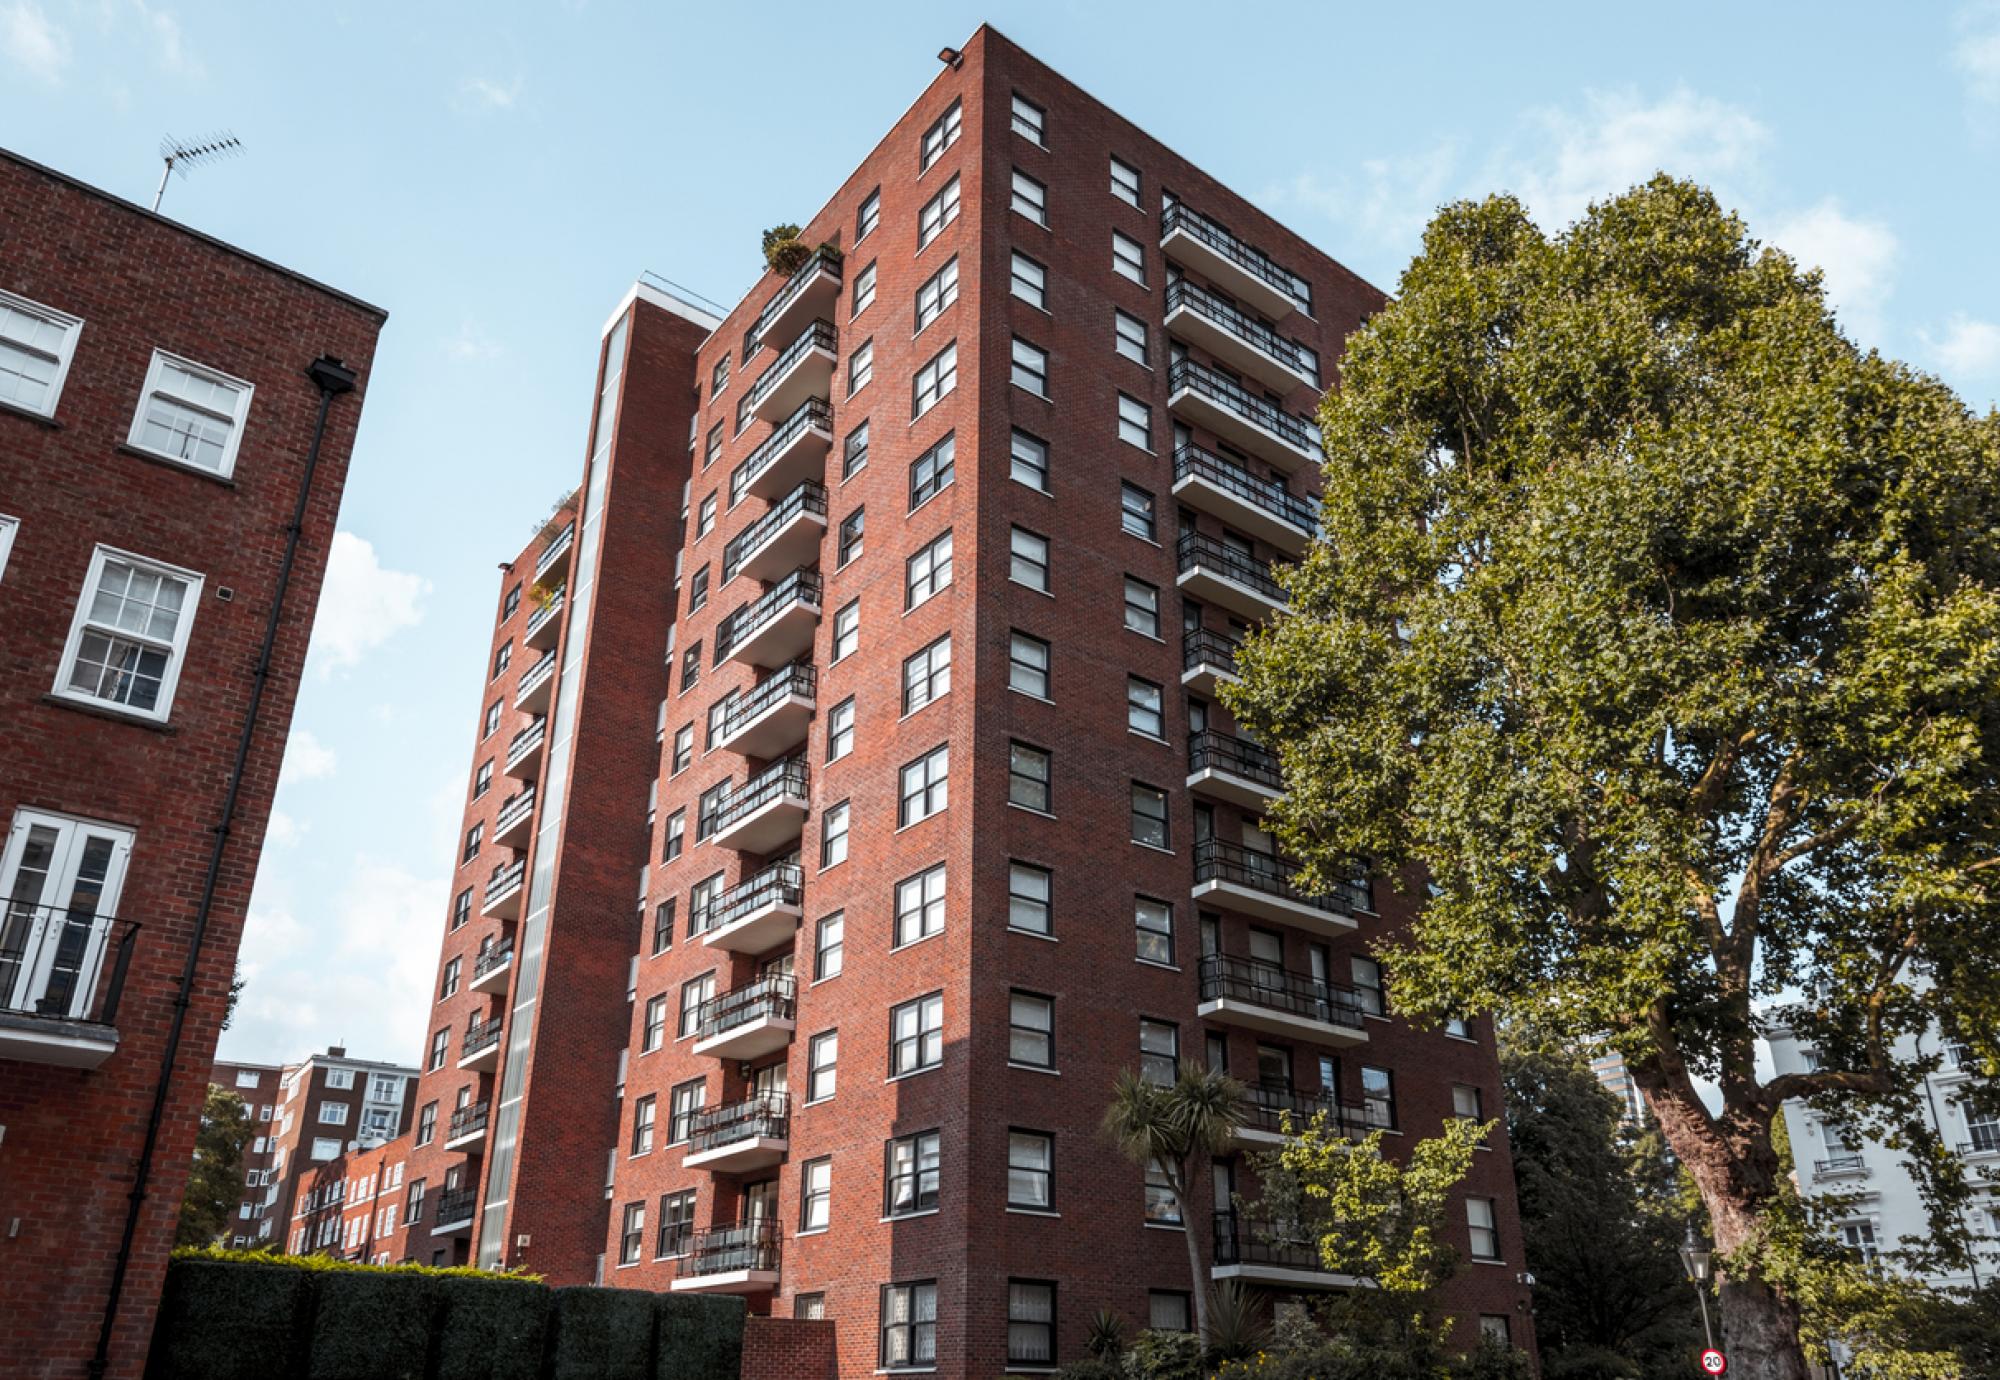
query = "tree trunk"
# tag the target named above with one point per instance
(1760, 1332)
(1179, 1182)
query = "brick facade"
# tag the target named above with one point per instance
(140, 794)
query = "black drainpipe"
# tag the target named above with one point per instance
(333, 379)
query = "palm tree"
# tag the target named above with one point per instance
(1172, 1127)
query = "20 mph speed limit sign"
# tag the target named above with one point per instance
(1713, 1362)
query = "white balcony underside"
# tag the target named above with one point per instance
(1241, 431)
(1211, 586)
(760, 931)
(728, 1282)
(1246, 900)
(751, 1040)
(1248, 1015)
(1243, 354)
(1200, 492)
(1219, 783)
(738, 1157)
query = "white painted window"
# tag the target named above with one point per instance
(1125, 182)
(1128, 258)
(61, 877)
(1028, 119)
(247, 1078)
(190, 414)
(8, 526)
(129, 637)
(324, 1149)
(333, 1113)
(1031, 198)
(940, 211)
(942, 134)
(939, 291)
(340, 1078)
(1029, 281)
(36, 343)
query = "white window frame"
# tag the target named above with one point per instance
(244, 391)
(8, 527)
(80, 621)
(71, 328)
(1130, 196)
(31, 982)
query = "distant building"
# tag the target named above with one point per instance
(353, 1206)
(1609, 1066)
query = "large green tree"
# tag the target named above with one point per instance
(1657, 628)
(215, 1186)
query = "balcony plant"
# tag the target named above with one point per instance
(784, 252)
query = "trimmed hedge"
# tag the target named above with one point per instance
(301, 1319)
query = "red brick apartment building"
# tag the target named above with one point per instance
(852, 799)
(176, 418)
(353, 1206)
(308, 1115)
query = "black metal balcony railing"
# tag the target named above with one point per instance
(489, 959)
(800, 587)
(518, 746)
(1206, 553)
(480, 1036)
(468, 1120)
(808, 497)
(1225, 392)
(1239, 323)
(767, 1116)
(1177, 215)
(551, 609)
(1191, 461)
(1985, 1139)
(1228, 978)
(813, 412)
(1202, 647)
(63, 963)
(722, 1250)
(1840, 1164)
(1267, 1108)
(513, 808)
(1212, 751)
(505, 877)
(456, 1205)
(1216, 860)
(799, 678)
(780, 884)
(780, 779)
(768, 996)
(818, 336)
(823, 259)
(1241, 1240)
(557, 545)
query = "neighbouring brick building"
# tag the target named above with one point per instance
(176, 418)
(353, 1206)
(852, 799)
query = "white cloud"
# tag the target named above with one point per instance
(493, 95)
(284, 831)
(31, 41)
(473, 343)
(307, 758)
(1858, 258)
(1976, 55)
(162, 33)
(1967, 353)
(363, 604)
(1389, 202)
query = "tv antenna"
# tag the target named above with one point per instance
(181, 155)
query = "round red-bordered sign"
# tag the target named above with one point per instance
(1713, 1362)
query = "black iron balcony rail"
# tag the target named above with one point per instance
(492, 959)
(766, 1116)
(1241, 1240)
(824, 257)
(800, 587)
(505, 876)
(557, 545)
(1239, 323)
(1267, 1108)
(1216, 860)
(1202, 647)
(818, 336)
(1196, 550)
(468, 1120)
(526, 738)
(799, 678)
(480, 1036)
(723, 1250)
(780, 779)
(1212, 751)
(550, 610)
(521, 803)
(808, 414)
(1840, 1164)
(772, 997)
(1191, 460)
(1224, 392)
(63, 963)
(808, 497)
(456, 1205)
(1985, 1140)
(1225, 977)
(1178, 215)
(781, 884)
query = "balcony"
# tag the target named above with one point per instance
(772, 716)
(769, 810)
(456, 1207)
(1261, 507)
(806, 295)
(1841, 1167)
(1264, 886)
(510, 827)
(1244, 342)
(1217, 575)
(731, 1260)
(786, 537)
(775, 627)
(479, 1052)
(524, 752)
(503, 890)
(1255, 995)
(555, 556)
(546, 621)
(1208, 660)
(536, 686)
(1241, 269)
(748, 1022)
(793, 452)
(804, 370)
(1262, 1252)
(1985, 1139)
(755, 915)
(740, 1137)
(1267, 1108)
(490, 967)
(62, 972)
(1216, 402)
(467, 1128)
(1234, 770)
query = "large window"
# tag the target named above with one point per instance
(1031, 1322)
(36, 343)
(642, 1124)
(1169, 1310)
(928, 571)
(190, 414)
(1142, 607)
(1028, 665)
(1128, 258)
(1129, 338)
(1028, 280)
(1031, 1163)
(1027, 119)
(1135, 422)
(1145, 708)
(909, 1325)
(1125, 182)
(1378, 1097)
(1031, 1030)
(1137, 511)
(1480, 1225)
(920, 906)
(1028, 559)
(1155, 923)
(942, 134)
(1030, 368)
(1149, 816)
(1029, 898)
(61, 872)
(676, 1224)
(1163, 1208)
(815, 1194)
(129, 637)
(1031, 198)
(822, 1059)
(910, 1175)
(829, 939)
(916, 1034)
(632, 1234)
(940, 211)
(931, 472)
(1368, 994)
(693, 993)
(937, 292)
(937, 377)
(923, 792)
(833, 835)
(927, 675)
(683, 1102)
(1028, 460)
(1028, 778)
(1159, 1052)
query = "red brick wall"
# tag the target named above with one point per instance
(139, 283)
(789, 1349)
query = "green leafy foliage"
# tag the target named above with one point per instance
(784, 251)
(215, 1184)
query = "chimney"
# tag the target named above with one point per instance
(337, 1051)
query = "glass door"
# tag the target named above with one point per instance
(61, 878)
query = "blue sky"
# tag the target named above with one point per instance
(497, 175)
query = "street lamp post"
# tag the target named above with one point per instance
(1695, 1259)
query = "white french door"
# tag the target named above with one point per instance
(60, 878)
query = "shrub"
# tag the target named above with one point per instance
(603, 1334)
(1090, 1368)
(1165, 1356)
(698, 1337)
(491, 1329)
(784, 251)
(370, 1325)
(225, 1321)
